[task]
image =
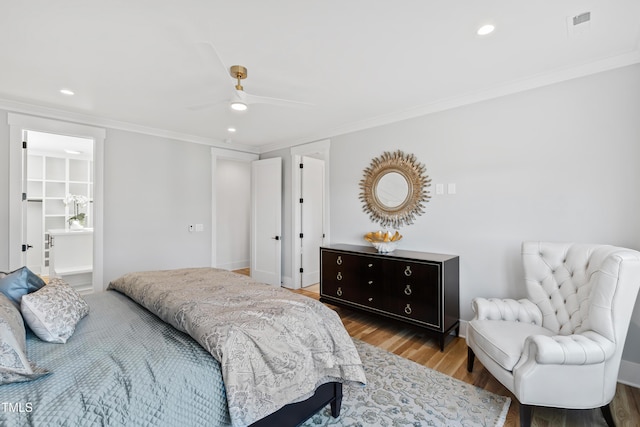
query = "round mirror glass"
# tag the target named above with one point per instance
(392, 190)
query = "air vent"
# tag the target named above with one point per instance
(578, 25)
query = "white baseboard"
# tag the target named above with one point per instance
(287, 282)
(234, 265)
(629, 373)
(463, 328)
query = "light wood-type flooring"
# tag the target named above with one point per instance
(415, 345)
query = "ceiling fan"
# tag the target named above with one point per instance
(242, 99)
(239, 100)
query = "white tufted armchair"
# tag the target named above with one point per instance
(561, 347)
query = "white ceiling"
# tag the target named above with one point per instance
(142, 64)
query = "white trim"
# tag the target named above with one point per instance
(237, 265)
(556, 76)
(18, 123)
(287, 282)
(463, 329)
(221, 153)
(629, 373)
(323, 147)
(57, 114)
(496, 91)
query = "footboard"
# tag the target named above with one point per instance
(295, 414)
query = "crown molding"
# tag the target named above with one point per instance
(496, 91)
(87, 119)
(533, 82)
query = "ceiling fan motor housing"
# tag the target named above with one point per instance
(238, 72)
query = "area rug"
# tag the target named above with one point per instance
(400, 392)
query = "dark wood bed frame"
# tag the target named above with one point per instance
(294, 414)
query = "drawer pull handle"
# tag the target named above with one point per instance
(407, 290)
(339, 260)
(370, 265)
(407, 271)
(339, 276)
(339, 292)
(407, 309)
(371, 282)
(370, 299)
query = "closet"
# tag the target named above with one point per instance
(59, 186)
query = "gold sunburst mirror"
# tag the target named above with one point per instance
(394, 189)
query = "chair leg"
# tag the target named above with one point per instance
(471, 357)
(525, 415)
(608, 416)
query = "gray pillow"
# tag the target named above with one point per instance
(53, 312)
(14, 365)
(18, 283)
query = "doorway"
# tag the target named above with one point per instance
(59, 181)
(43, 183)
(230, 225)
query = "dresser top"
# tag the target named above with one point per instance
(397, 254)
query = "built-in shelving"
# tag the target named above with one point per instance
(50, 179)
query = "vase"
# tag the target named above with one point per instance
(75, 225)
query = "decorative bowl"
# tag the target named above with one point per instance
(383, 241)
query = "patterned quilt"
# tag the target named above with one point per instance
(121, 367)
(274, 346)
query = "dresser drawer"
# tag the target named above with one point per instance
(352, 278)
(414, 292)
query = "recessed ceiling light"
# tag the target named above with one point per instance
(238, 106)
(231, 130)
(67, 92)
(486, 29)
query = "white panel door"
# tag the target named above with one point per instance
(312, 220)
(266, 220)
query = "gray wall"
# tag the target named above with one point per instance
(557, 163)
(154, 188)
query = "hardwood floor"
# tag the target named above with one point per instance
(415, 345)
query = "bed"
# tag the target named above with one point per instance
(189, 347)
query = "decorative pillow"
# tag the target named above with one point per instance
(53, 312)
(18, 283)
(14, 365)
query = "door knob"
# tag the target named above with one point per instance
(276, 237)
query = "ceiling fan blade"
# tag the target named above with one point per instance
(209, 52)
(256, 99)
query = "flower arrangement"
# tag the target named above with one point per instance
(78, 202)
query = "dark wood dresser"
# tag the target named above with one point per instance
(414, 287)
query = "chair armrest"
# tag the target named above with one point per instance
(507, 309)
(579, 349)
